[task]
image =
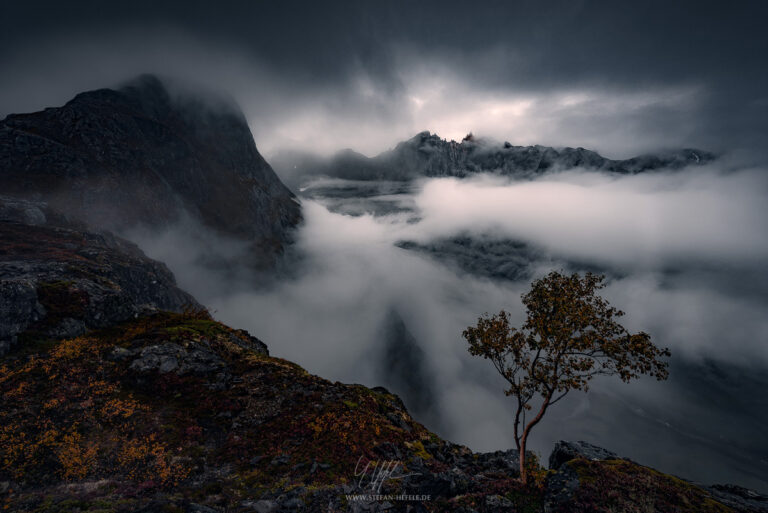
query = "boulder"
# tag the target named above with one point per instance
(739, 498)
(58, 280)
(567, 451)
(559, 488)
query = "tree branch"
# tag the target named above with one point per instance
(559, 397)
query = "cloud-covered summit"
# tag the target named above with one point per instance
(622, 79)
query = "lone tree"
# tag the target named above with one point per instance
(570, 336)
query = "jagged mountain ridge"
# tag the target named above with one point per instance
(428, 155)
(145, 155)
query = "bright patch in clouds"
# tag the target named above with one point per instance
(371, 118)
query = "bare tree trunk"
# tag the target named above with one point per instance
(523, 471)
(524, 439)
(517, 424)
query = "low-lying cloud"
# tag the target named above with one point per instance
(649, 220)
(684, 252)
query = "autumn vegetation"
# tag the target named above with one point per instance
(81, 430)
(570, 336)
(71, 412)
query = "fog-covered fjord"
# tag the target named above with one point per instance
(199, 202)
(386, 275)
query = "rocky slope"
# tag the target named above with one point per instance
(176, 412)
(144, 155)
(112, 405)
(427, 155)
(59, 280)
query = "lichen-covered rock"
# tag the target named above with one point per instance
(560, 487)
(261, 506)
(18, 308)
(17, 210)
(588, 478)
(192, 358)
(566, 451)
(497, 503)
(247, 341)
(606, 486)
(57, 280)
(739, 498)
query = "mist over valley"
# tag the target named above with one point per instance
(387, 274)
(247, 251)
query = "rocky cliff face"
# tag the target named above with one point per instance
(403, 367)
(144, 155)
(58, 280)
(427, 155)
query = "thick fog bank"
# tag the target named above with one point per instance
(684, 252)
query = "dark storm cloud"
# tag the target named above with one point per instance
(620, 77)
(325, 75)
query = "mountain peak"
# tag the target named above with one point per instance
(145, 81)
(146, 154)
(426, 154)
(147, 88)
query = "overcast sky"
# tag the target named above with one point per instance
(619, 77)
(622, 78)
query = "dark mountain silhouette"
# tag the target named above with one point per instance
(145, 155)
